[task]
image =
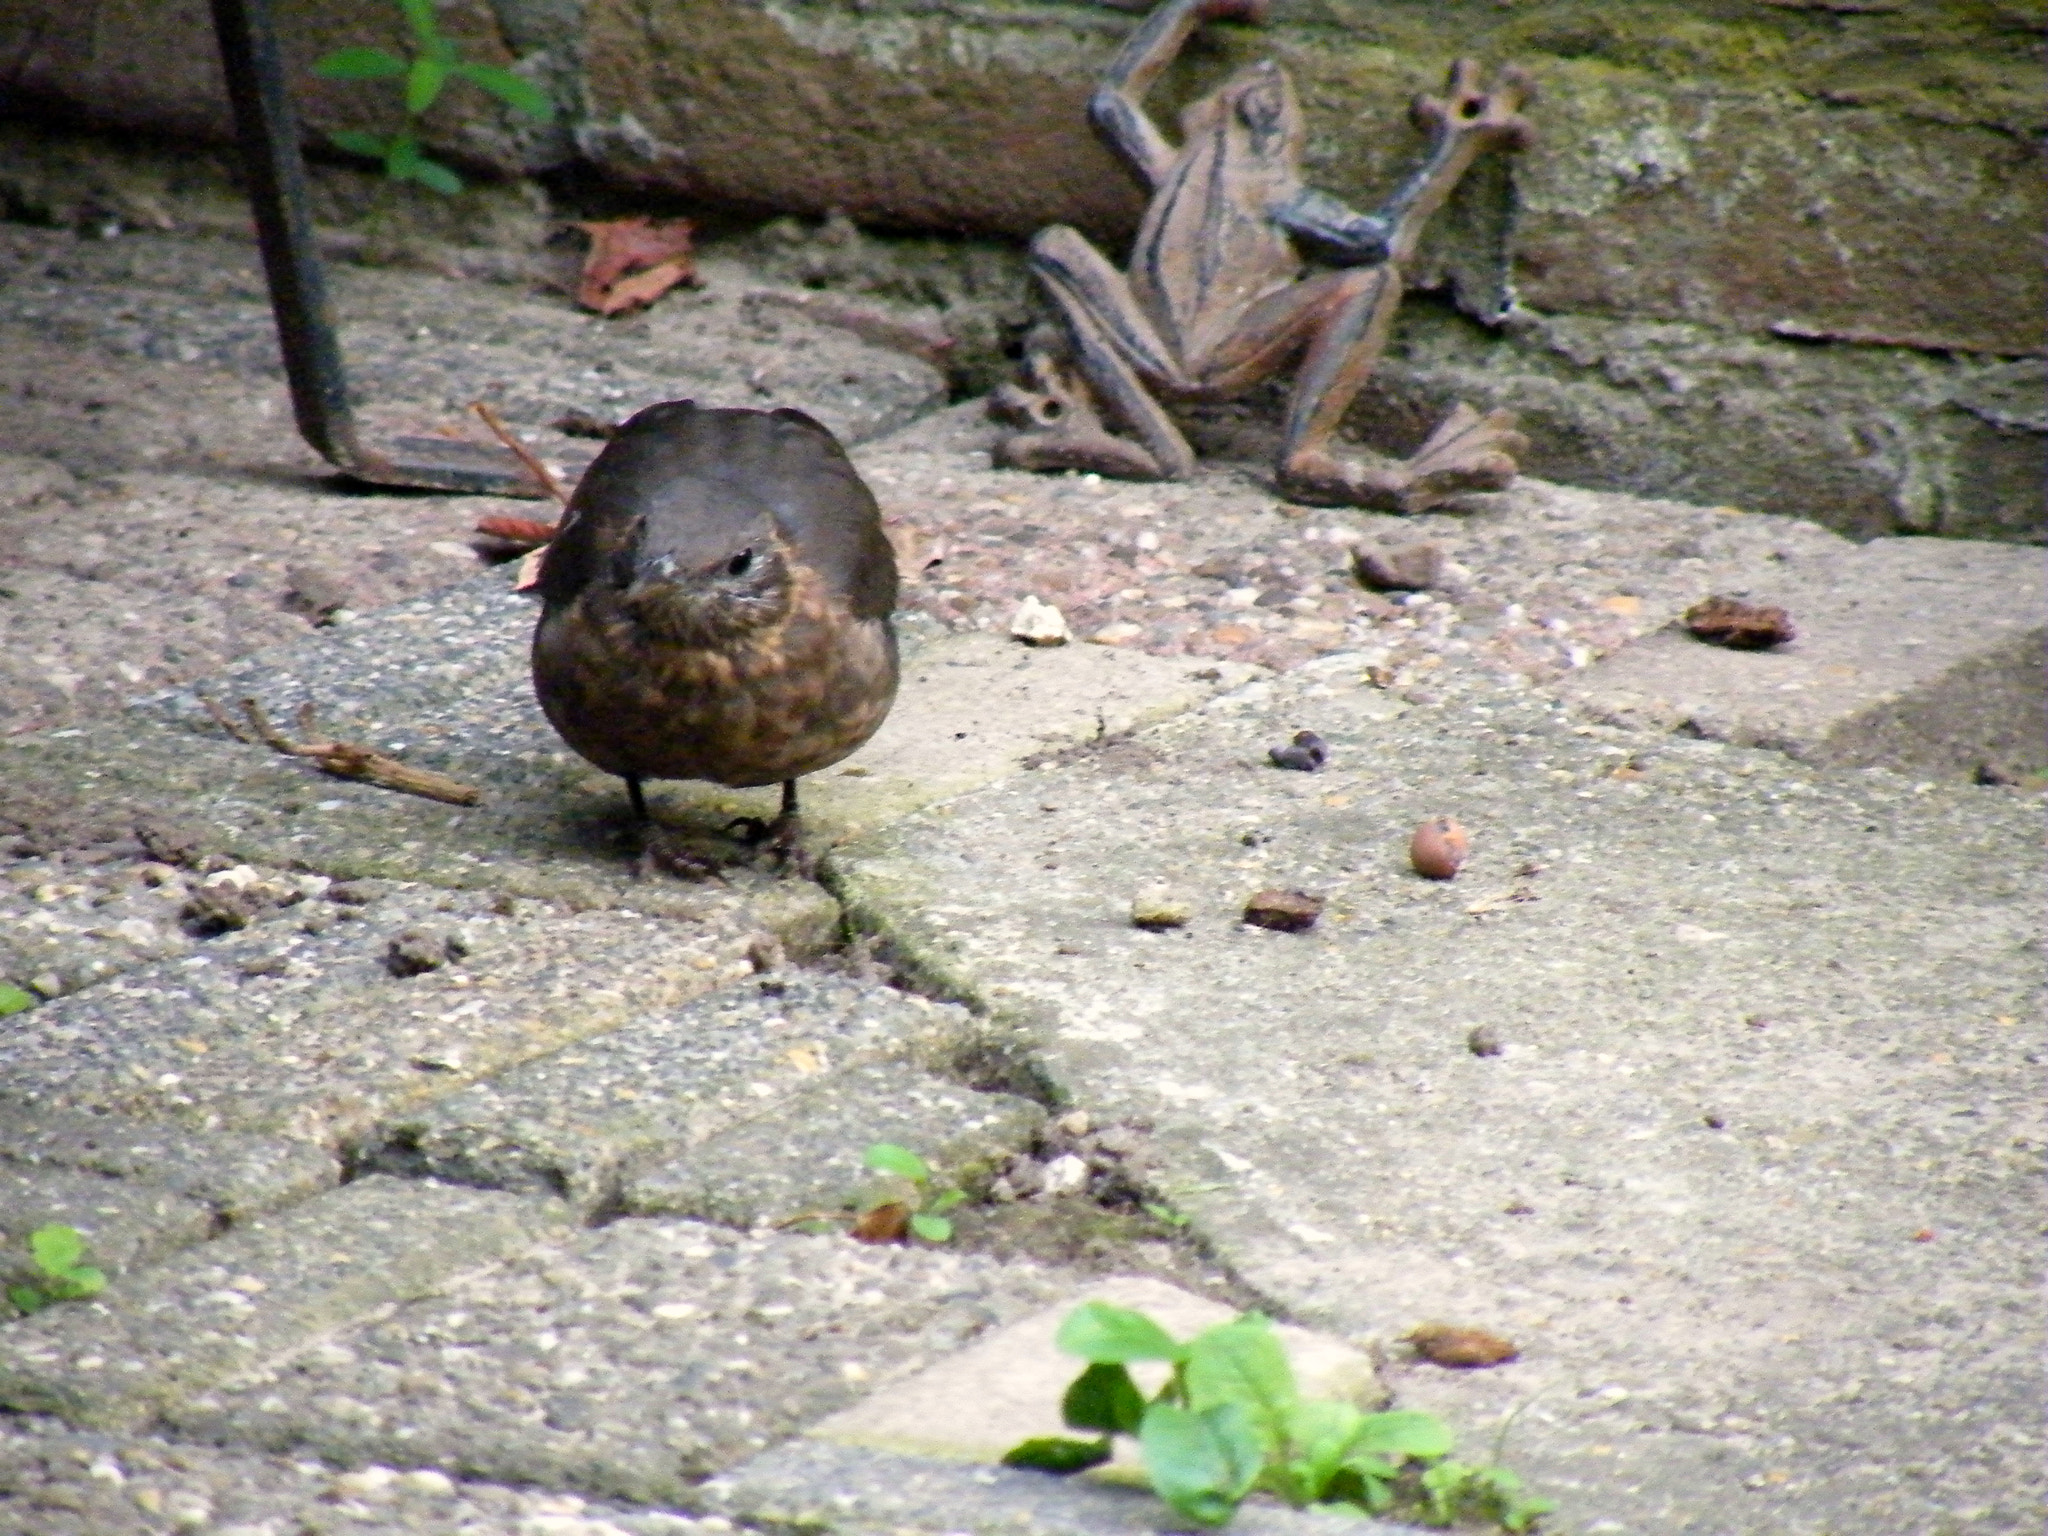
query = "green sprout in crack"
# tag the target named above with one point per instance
(1230, 1422)
(436, 61)
(56, 1251)
(911, 1186)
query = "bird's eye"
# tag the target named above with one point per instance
(740, 563)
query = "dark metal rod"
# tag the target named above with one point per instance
(284, 226)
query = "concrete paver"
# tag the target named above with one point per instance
(310, 1034)
(659, 1090)
(137, 1192)
(1748, 1180)
(1924, 655)
(626, 1362)
(276, 1285)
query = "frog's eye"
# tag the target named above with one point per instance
(740, 563)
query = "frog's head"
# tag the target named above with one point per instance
(1262, 98)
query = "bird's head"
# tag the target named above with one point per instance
(705, 592)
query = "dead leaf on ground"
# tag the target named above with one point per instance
(1739, 626)
(1460, 1348)
(883, 1224)
(633, 262)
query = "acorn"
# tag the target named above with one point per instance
(1438, 848)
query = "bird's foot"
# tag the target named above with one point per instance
(780, 839)
(661, 853)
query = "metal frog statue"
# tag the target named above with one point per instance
(1216, 301)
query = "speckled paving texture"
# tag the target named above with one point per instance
(1750, 1177)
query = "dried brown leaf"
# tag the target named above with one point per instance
(883, 1224)
(1460, 1348)
(633, 262)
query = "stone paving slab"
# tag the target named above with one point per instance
(1006, 1389)
(627, 1362)
(574, 1122)
(56, 1481)
(1925, 655)
(312, 1032)
(806, 1155)
(138, 1191)
(1750, 1177)
(445, 682)
(273, 1286)
(810, 1486)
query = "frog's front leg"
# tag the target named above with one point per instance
(1120, 354)
(1468, 452)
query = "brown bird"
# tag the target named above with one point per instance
(716, 604)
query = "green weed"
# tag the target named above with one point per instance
(914, 1189)
(56, 1252)
(1229, 1422)
(436, 61)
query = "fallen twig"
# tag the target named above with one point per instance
(542, 475)
(343, 759)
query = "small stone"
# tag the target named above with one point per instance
(214, 910)
(1116, 634)
(1739, 626)
(419, 950)
(1438, 848)
(1065, 1175)
(1483, 1041)
(1412, 568)
(1284, 911)
(1305, 754)
(1039, 623)
(1074, 1122)
(427, 1481)
(1158, 908)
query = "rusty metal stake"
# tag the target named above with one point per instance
(298, 285)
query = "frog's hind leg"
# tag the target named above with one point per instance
(1118, 352)
(1469, 452)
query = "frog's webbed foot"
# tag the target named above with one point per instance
(1492, 117)
(1469, 452)
(1059, 428)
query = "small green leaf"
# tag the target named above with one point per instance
(1241, 1362)
(423, 84)
(887, 1157)
(356, 142)
(1167, 1214)
(947, 1201)
(1522, 1512)
(516, 91)
(1104, 1397)
(442, 51)
(933, 1229)
(14, 1000)
(419, 15)
(1443, 1487)
(1057, 1455)
(1109, 1335)
(358, 64)
(56, 1248)
(401, 154)
(28, 1301)
(1403, 1436)
(1201, 1464)
(78, 1283)
(436, 177)
(1319, 1436)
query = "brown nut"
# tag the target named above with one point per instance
(1438, 848)
(1286, 911)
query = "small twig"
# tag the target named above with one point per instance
(543, 476)
(814, 1216)
(343, 759)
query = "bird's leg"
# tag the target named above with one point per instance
(781, 836)
(639, 799)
